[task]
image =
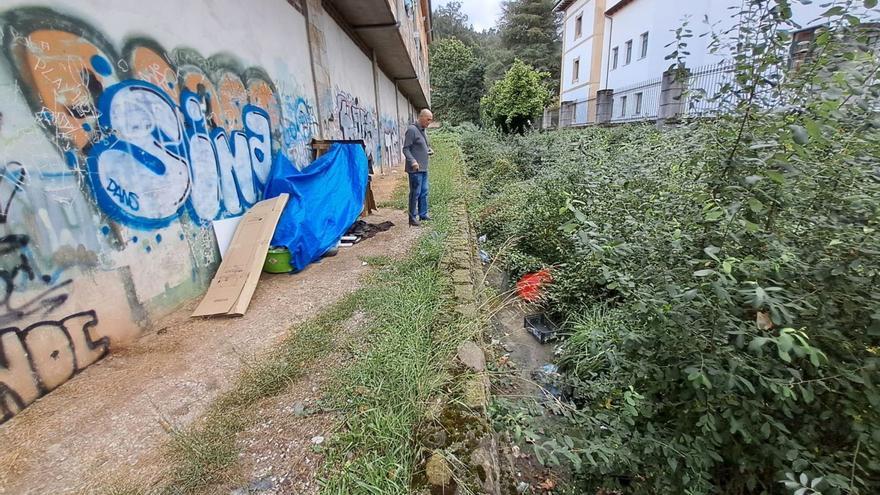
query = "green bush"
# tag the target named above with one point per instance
(719, 280)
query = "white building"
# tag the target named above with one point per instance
(582, 53)
(623, 44)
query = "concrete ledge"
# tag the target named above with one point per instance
(466, 432)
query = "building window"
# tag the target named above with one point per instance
(623, 106)
(576, 70)
(614, 53)
(578, 26)
(638, 103)
(801, 46)
(644, 51)
(629, 52)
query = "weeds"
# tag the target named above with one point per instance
(735, 264)
(384, 394)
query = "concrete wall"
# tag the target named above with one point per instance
(405, 115)
(411, 14)
(348, 103)
(126, 127)
(390, 138)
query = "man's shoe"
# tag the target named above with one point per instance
(414, 223)
(425, 219)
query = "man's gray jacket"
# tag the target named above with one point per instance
(415, 148)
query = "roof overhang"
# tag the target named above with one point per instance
(375, 23)
(562, 5)
(616, 7)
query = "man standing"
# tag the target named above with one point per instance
(415, 149)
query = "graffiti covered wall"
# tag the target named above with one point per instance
(389, 125)
(117, 151)
(126, 128)
(347, 94)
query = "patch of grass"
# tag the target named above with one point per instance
(205, 454)
(123, 488)
(376, 260)
(399, 198)
(384, 394)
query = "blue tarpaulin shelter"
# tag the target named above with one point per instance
(326, 198)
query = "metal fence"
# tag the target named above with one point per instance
(702, 94)
(637, 102)
(703, 90)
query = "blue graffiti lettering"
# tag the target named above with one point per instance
(158, 158)
(130, 199)
(144, 152)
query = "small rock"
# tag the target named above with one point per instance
(438, 471)
(464, 292)
(262, 485)
(162, 331)
(472, 356)
(522, 487)
(437, 440)
(485, 457)
(461, 277)
(476, 392)
(317, 440)
(299, 409)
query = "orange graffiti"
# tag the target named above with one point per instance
(196, 81)
(233, 97)
(152, 67)
(261, 94)
(59, 65)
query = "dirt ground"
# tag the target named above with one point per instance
(108, 423)
(282, 451)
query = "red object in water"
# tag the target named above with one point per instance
(530, 286)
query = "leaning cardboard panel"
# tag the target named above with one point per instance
(236, 279)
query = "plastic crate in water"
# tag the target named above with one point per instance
(540, 327)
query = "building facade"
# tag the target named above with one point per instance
(127, 127)
(582, 42)
(636, 37)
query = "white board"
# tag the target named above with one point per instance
(223, 231)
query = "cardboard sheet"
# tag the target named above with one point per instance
(236, 280)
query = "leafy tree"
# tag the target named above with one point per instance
(531, 31)
(516, 101)
(456, 81)
(449, 21)
(496, 57)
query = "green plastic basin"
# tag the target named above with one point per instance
(277, 261)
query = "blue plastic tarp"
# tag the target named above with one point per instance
(326, 198)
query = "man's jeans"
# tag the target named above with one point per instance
(418, 195)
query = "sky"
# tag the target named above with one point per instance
(481, 13)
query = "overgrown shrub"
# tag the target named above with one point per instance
(738, 263)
